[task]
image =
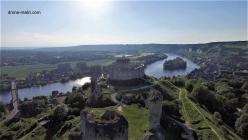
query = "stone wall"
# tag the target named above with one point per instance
(123, 70)
(111, 126)
(154, 104)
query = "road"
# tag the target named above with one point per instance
(15, 111)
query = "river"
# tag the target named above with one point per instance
(156, 69)
(45, 90)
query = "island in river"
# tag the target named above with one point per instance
(177, 63)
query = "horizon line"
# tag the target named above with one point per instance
(37, 47)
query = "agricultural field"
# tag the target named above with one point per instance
(21, 71)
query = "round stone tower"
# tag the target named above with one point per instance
(109, 126)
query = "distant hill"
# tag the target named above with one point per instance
(137, 47)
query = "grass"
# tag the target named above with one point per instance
(202, 122)
(138, 121)
(196, 120)
(168, 89)
(20, 72)
(18, 129)
(142, 55)
(41, 133)
(104, 62)
(99, 111)
(137, 118)
(222, 87)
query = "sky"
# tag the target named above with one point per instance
(69, 23)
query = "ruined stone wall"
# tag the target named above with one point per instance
(93, 129)
(154, 104)
(128, 72)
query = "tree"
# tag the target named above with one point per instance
(170, 108)
(64, 68)
(241, 125)
(60, 113)
(2, 107)
(213, 102)
(86, 86)
(75, 100)
(200, 92)
(74, 89)
(82, 66)
(180, 82)
(189, 86)
(245, 109)
(217, 115)
(55, 93)
(245, 86)
(33, 107)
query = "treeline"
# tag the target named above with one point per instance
(177, 63)
(63, 73)
(31, 57)
(227, 100)
(148, 59)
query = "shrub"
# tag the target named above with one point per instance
(245, 109)
(241, 125)
(60, 113)
(75, 100)
(170, 107)
(2, 107)
(189, 86)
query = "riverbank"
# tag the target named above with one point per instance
(45, 90)
(156, 69)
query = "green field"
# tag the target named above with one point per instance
(138, 121)
(20, 72)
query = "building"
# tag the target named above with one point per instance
(123, 69)
(109, 126)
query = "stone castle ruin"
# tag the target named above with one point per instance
(154, 104)
(96, 91)
(109, 126)
(122, 69)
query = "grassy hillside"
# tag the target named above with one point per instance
(202, 122)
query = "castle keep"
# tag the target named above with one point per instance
(122, 69)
